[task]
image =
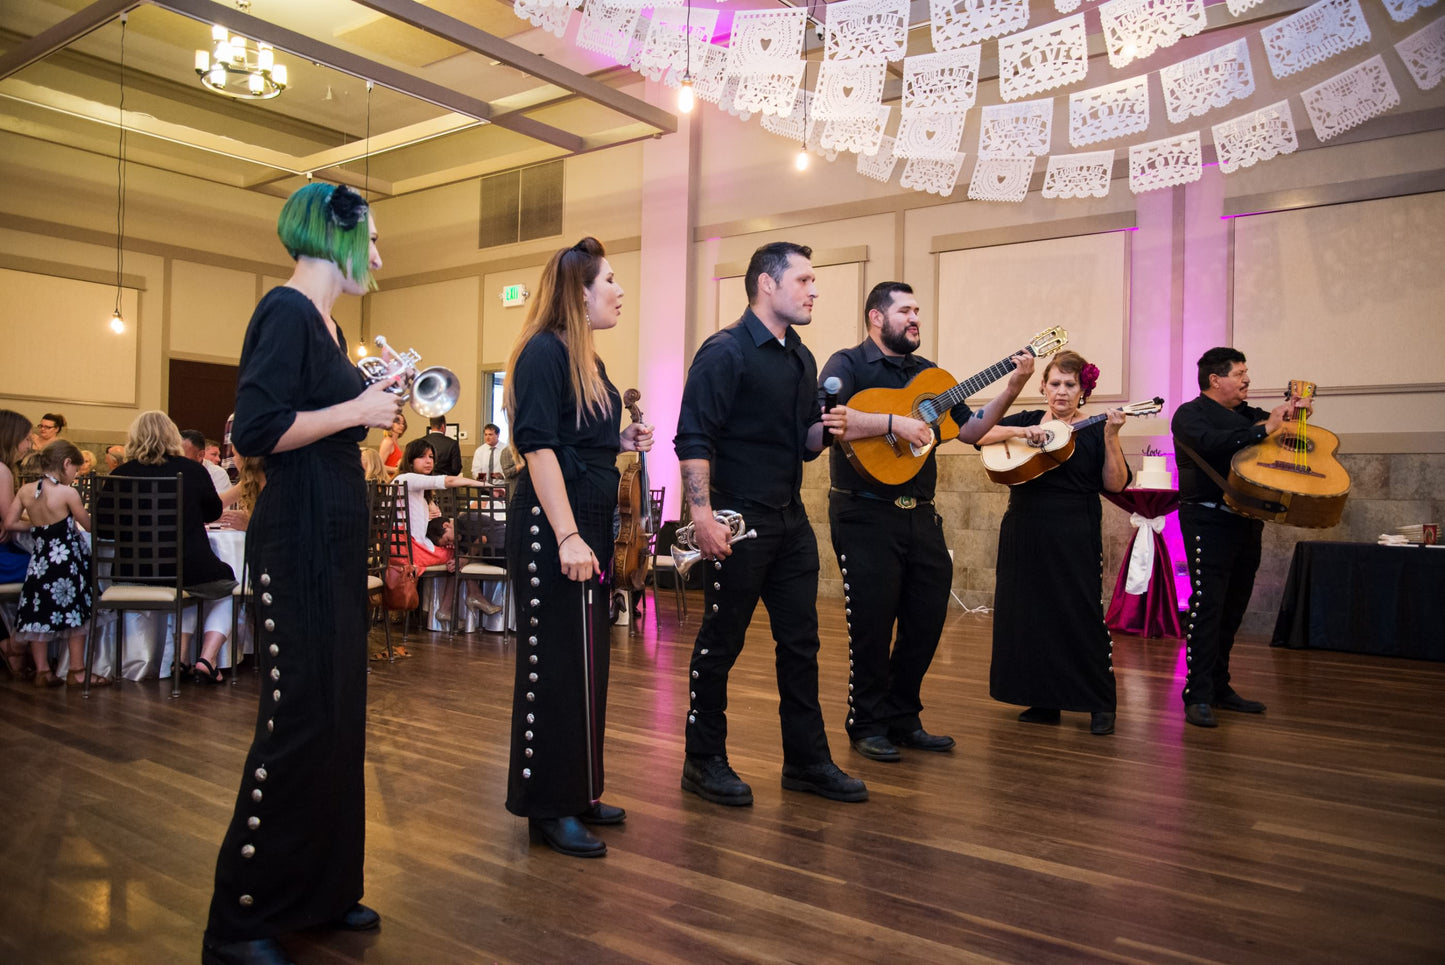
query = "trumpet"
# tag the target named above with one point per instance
(432, 391)
(685, 552)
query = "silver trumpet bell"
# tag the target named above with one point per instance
(432, 391)
(685, 552)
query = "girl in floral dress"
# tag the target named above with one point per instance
(55, 599)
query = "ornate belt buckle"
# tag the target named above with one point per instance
(905, 502)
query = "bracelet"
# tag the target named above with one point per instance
(566, 538)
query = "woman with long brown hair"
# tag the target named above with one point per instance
(565, 417)
(1057, 655)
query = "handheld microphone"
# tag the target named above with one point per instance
(832, 385)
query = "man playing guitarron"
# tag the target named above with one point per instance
(889, 538)
(1222, 546)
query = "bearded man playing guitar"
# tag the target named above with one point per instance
(889, 538)
(1223, 546)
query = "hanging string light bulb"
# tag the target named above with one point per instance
(117, 321)
(685, 97)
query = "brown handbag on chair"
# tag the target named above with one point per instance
(400, 591)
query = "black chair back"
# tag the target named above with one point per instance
(138, 519)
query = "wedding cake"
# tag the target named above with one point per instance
(1154, 475)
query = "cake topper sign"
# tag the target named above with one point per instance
(1151, 451)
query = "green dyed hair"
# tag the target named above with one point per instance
(329, 222)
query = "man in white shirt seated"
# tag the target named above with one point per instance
(492, 462)
(193, 446)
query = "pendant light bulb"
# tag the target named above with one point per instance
(685, 97)
(801, 161)
(117, 323)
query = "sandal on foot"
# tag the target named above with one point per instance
(76, 678)
(210, 675)
(48, 679)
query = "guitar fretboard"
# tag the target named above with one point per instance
(947, 400)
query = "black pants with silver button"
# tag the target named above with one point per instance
(896, 567)
(780, 568)
(559, 695)
(1223, 553)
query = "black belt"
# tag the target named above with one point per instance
(902, 502)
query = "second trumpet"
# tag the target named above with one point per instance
(685, 552)
(432, 391)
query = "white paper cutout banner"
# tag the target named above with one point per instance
(942, 82)
(1136, 28)
(1402, 10)
(664, 51)
(770, 93)
(1079, 175)
(1237, 7)
(790, 125)
(863, 29)
(1001, 179)
(1316, 33)
(1256, 136)
(1165, 163)
(1103, 113)
(1069, 6)
(1213, 79)
(955, 23)
(931, 174)
(1016, 130)
(608, 28)
(710, 73)
(766, 41)
(1350, 98)
(551, 17)
(861, 135)
(925, 135)
(849, 88)
(1033, 61)
(1424, 54)
(879, 166)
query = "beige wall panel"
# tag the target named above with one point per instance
(1347, 294)
(439, 321)
(209, 309)
(1014, 291)
(60, 345)
(501, 325)
(837, 313)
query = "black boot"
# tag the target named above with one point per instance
(261, 951)
(566, 836)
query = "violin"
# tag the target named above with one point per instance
(634, 505)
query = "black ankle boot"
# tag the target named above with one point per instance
(567, 836)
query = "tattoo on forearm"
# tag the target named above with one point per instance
(695, 484)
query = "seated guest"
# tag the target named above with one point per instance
(114, 456)
(87, 463)
(372, 465)
(154, 449)
(47, 430)
(240, 500)
(212, 455)
(416, 471)
(391, 444)
(193, 447)
(14, 558)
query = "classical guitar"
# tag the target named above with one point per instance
(888, 460)
(1015, 461)
(1294, 467)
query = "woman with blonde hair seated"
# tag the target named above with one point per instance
(153, 450)
(372, 465)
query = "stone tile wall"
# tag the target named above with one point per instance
(1387, 491)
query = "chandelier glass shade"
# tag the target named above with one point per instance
(239, 67)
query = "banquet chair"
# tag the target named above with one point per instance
(86, 486)
(243, 594)
(662, 563)
(398, 545)
(382, 499)
(480, 554)
(138, 527)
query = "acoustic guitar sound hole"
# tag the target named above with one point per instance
(1295, 443)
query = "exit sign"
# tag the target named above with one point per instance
(514, 295)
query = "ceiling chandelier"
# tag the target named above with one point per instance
(239, 67)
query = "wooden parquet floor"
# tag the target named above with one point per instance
(1315, 833)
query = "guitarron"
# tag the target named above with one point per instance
(890, 461)
(1294, 466)
(1015, 461)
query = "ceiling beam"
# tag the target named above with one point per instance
(63, 34)
(349, 63)
(479, 41)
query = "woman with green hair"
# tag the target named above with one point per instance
(292, 856)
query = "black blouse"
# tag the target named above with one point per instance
(202, 505)
(1082, 473)
(290, 364)
(1216, 432)
(546, 416)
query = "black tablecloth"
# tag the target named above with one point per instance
(1364, 598)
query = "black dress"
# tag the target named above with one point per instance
(292, 856)
(1050, 645)
(559, 702)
